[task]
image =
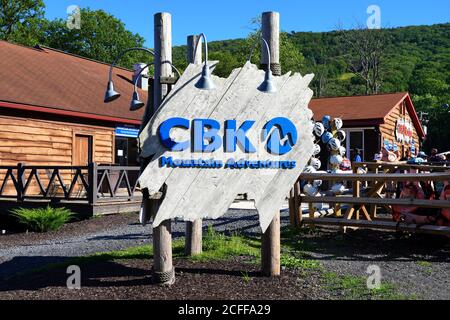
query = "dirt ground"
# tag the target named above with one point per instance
(131, 279)
(412, 267)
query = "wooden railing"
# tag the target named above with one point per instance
(368, 192)
(93, 183)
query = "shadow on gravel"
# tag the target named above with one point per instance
(131, 236)
(105, 274)
(99, 274)
(372, 245)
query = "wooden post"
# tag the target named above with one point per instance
(193, 240)
(270, 240)
(270, 248)
(20, 182)
(298, 205)
(271, 33)
(163, 271)
(191, 44)
(92, 181)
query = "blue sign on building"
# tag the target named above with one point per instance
(127, 132)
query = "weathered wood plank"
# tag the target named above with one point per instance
(237, 98)
(383, 201)
(377, 224)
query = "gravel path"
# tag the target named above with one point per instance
(21, 257)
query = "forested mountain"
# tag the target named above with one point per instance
(352, 62)
(414, 59)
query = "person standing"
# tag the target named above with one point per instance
(357, 156)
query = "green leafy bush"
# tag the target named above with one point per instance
(42, 219)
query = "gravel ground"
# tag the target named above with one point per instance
(418, 266)
(19, 253)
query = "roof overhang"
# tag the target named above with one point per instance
(67, 113)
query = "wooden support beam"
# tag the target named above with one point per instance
(163, 271)
(270, 242)
(291, 202)
(270, 28)
(298, 205)
(271, 249)
(193, 242)
(193, 239)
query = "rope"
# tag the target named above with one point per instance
(275, 67)
(167, 277)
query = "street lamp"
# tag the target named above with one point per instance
(267, 85)
(205, 82)
(111, 94)
(136, 103)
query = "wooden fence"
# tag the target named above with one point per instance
(93, 183)
(368, 193)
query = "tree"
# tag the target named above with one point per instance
(101, 37)
(366, 50)
(19, 19)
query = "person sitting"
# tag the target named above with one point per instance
(434, 156)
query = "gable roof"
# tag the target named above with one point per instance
(360, 110)
(48, 80)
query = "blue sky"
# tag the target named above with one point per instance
(229, 19)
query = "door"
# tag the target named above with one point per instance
(355, 140)
(121, 151)
(82, 150)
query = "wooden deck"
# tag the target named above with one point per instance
(86, 190)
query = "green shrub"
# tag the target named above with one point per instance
(42, 219)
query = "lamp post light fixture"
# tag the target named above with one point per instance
(205, 82)
(267, 85)
(111, 94)
(136, 103)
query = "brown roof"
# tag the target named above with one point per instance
(56, 80)
(369, 109)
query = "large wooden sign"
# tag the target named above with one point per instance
(208, 146)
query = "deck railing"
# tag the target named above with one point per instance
(93, 183)
(368, 193)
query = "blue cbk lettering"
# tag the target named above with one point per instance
(233, 136)
(280, 133)
(164, 133)
(211, 135)
(283, 137)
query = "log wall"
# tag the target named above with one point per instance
(388, 128)
(41, 142)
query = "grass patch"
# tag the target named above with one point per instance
(355, 288)
(246, 277)
(42, 219)
(217, 246)
(425, 264)
(290, 261)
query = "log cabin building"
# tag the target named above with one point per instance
(52, 110)
(374, 122)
